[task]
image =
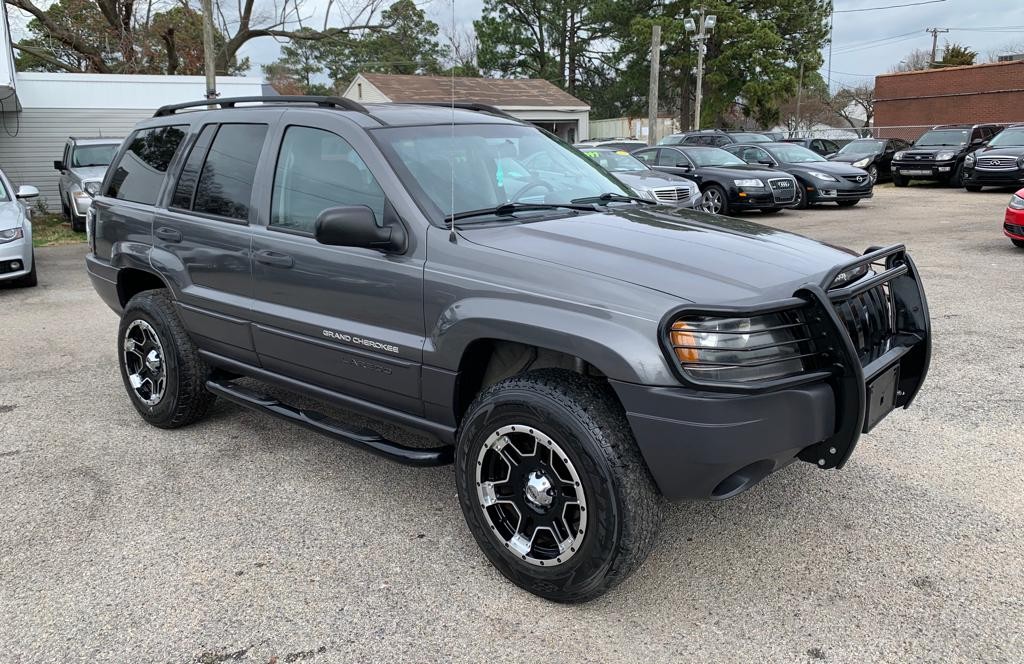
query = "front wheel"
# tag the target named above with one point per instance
(801, 196)
(714, 200)
(899, 181)
(553, 487)
(1017, 243)
(160, 366)
(31, 279)
(873, 173)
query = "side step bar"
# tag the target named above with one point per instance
(320, 423)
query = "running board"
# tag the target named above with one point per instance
(320, 423)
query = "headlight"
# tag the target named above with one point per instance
(822, 176)
(739, 349)
(969, 160)
(81, 195)
(863, 162)
(899, 155)
(12, 234)
(92, 188)
(1016, 202)
(945, 156)
(753, 183)
(850, 276)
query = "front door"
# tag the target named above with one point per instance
(343, 318)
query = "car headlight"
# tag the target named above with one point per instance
(945, 156)
(1016, 202)
(899, 155)
(740, 349)
(969, 160)
(822, 176)
(753, 183)
(12, 234)
(91, 188)
(863, 162)
(81, 195)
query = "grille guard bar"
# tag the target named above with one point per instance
(911, 346)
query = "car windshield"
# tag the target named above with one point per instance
(93, 155)
(467, 167)
(863, 147)
(713, 157)
(954, 137)
(617, 161)
(794, 154)
(1012, 137)
(751, 138)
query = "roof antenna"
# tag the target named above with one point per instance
(451, 154)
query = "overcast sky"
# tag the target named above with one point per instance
(865, 43)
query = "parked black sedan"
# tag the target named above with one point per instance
(998, 164)
(821, 180)
(726, 182)
(874, 155)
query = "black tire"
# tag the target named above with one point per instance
(185, 398)
(972, 188)
(770, 210)
(848, 203)
(873, 173)
(77, 223)
(899, 181)
(712, 191)
(587, 422)
(801, 196)
(1017, 243)
(65, 209)
(957, 178)
(31, 279)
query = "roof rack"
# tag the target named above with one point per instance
(229, 102)
(466, 106)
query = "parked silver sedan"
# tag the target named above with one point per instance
(645, 181)
(17, 260)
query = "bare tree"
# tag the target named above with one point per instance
(462, 46)
(855, 105)
(916, 60)
(1010, 48)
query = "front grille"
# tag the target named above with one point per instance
(857, 179)
(783, 190)
(918, 156)
(997, 163)
(672, 194)
(857, 193)
(869, 320)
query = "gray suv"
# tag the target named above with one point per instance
(578, 353)
(82, 166)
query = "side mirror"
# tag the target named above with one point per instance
(58, 165)
(356, 226)
(766, 162)
(978, 141)
(683, 166)
(830, 155)
(26, 191)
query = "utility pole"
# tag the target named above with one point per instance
(652, 95)
(700, 39)
(208, 52)
(831, 16)
(799, 96)
(935, 42)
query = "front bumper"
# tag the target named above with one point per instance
(924, 170)
(842, 190)
(18, 251)
(80, 204)
(712, 441)
(993, 178)
(1013, 224)
(758, 199)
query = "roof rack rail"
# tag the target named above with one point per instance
(466, 106)
(229, 102)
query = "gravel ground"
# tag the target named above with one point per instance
(242, 539)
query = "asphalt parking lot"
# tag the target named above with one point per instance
(242, 539)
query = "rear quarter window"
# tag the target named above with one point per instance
(139, 173)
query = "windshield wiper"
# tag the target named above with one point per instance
(507, 209)
(609, 197)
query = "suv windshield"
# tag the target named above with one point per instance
(618, 161)
(1012, 137)
(713, 157)
(953, 137)
(93, 155)
(467, 167)
(794, 154)
(863, 147)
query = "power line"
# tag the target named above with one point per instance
(872, 9)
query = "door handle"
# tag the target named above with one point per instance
(274, 259)
(168, 234)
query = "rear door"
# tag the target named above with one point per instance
(202, 238)
(344, 318)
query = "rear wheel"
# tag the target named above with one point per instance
(553, 487)
(1018, 243)
(899, 181)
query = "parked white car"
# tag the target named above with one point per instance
(82, 167)
(17, 260)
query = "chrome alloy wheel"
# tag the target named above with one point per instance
(711, 201)
(144, 362)
(531, 495)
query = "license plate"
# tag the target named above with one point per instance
(914, 172)
(881, 395)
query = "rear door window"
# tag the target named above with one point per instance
(139, 173)
(186, 187)
(224, 188)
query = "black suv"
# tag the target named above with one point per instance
(714, 137)
(998, 164)
(578, 353)
(939, 154)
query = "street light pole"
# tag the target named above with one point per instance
(652, 95)
(209, 62)
(706, 23)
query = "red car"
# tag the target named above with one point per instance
(1013, 225)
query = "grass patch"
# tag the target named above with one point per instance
(50, 230)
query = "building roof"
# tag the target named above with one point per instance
(505, 93)
(945, 70)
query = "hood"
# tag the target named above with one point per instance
(651, 178)
(12, 215)
(85, 173)
(1008, 151)
(837, 168)
(850, 158)
(698, 257)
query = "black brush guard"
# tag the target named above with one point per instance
(904, 358)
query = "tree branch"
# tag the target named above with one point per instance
(47, 57)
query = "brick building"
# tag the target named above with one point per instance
(977, 93)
